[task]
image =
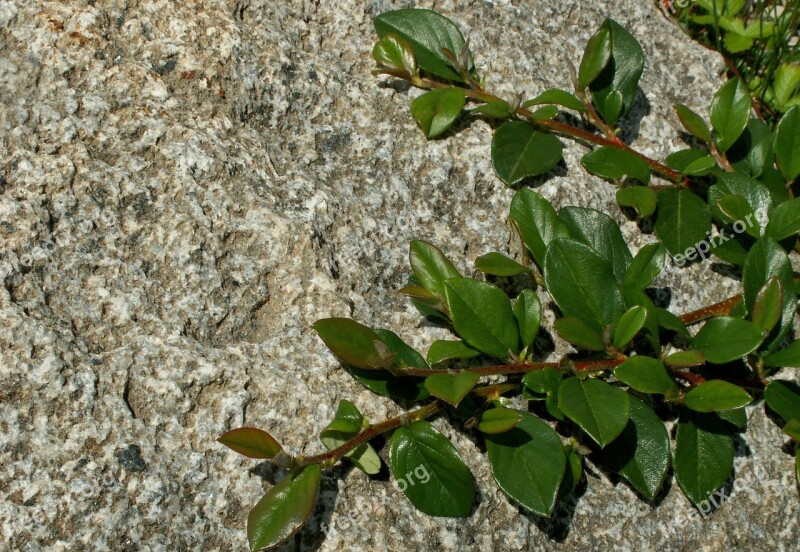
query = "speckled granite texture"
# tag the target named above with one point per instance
(192, 184)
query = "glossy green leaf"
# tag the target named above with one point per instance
(680, 160)
(767, 308)
(600, 232)
(703, 455)
(783, 398)
(442, 350)
(395, 54)
(284, 509)
(388, 385)
(348, 419)
(730, 110)
(714, 395)
(434, 477)
(537, 221)
(701, 166)
(499, 420)
(785, 358)
(428, 33)
(520, 151)
(600, 409)
(582, 283)
(543, 381)
(641, 198)
(494, 110)
(641, 453)
(498, 264)
(354, 343)
(784, 220)
(735, 208)
(482, 316)
(251, 442)
(753, 151)
(573, 473)
(528, 313)
(693, 122)
(628, 326)
(765, 260)
(347, 423)
(787, 144)
(437, 110)
(683, 220)
(755, 194)
(596, 56)
(646, 265)
(430, 266)
(557, 97)
(451, 388)
(528, 464)
(683, 359)
(544, 113)
(614, 90)
(792, 429)
(580, 333)
(645, 374)
(724, 339)
(615, 164)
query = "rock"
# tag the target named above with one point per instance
(186, 187)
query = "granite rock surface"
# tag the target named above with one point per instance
(185, 187)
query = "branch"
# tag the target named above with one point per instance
(723, 308)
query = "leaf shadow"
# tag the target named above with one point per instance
(630, 124)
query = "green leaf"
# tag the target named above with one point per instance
(395, 54)
(783, 398)
(251, 442)
(528, 313)
(641, 453)
(595, 57)
(600, 232)
(693, 122)
(436, 481)
(495, 110)
(600, 409)
(528, 464)
(641, 198)
(735, 208)
(646, 265)
(681, 160)
(520, 151)
(544, 381)
(284, 509)
(428, 33)
(544, 113)
(767, 308)
(354, 343)
(756, 194)
(582, 283)
(442, 350)
(615, 164)
(347, 423)
(498, 264)
(703, 455)
(383, 382)
(645, 374)
(765, 260)
(685, 359)
(558, 97)
(784, 220)
(430, 266)
(785, 358)
(578, 332)
(787, 144)
(482, 316)
(683, 220)
(730, 110)
(753, 151)
(348, 419)
(714, 395)
(499, 420)
(573, 473)
(792, 429)
(614, 90)
(701, 166)
(724, 339)
(537, 221)
(628, 326)
(436, 110)
(451, 388)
